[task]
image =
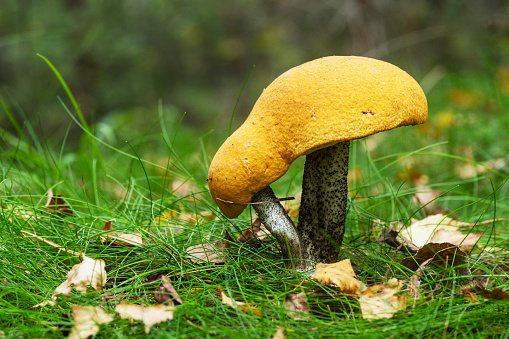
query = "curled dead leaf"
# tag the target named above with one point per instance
(90, 272)
(57, 205)
(166, 294)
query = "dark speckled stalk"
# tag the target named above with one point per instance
(274, 217)
(324, 200)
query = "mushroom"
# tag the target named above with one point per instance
(314, 109)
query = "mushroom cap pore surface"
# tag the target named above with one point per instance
(309, 107)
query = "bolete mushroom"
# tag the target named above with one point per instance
(314, 109)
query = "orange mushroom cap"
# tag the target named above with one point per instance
(311, 106)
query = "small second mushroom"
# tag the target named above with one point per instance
(314, 109)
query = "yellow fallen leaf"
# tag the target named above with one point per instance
(340, 275)
(88, 272)
(87, 320)
(149, 315)
(382, 301)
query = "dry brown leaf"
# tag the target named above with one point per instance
(382, 301)
(209, 253)
(57, 205)
(438, 228)
(167, 294)
(87, 320)
(298, 304)
(340, 275)
(243, 307)
(469, 293)
(496, 294)
(253, 234)
(120, 239)
(88, 272)
(442, 255)
(149, 315)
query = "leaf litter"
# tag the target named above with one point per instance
(376, 301)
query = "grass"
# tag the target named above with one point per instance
(115, 173)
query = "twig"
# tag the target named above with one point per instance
(52, 243)
(256, 203)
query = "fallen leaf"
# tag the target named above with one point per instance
(297, 303)
(426, 198)
(442, 255)
(495, 294)
(340, 275)
(57, 205)
(87, 320)
(209, 253)
(253, 234)
(438, 228)
(88, 272)
(382, 301)
(120, 239)
(243, 307)
(149, 315)
(470, 297)
(167, 294)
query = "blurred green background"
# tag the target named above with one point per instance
(122, 59)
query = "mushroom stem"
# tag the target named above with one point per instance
(274, 217)
(324, 200)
